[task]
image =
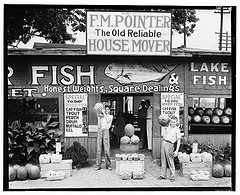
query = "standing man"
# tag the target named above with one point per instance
(149, 123)
(171, 134)
(104, 123)
(142, 115)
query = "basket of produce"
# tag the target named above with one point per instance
(55, 175)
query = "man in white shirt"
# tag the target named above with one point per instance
(104, 123)
(171, 134)
(149, 123)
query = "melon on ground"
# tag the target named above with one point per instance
(217, 171)
(227, 170)
(22, 173)
(33, 172)
(11, 173)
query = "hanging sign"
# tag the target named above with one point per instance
(170, 103)
(75, 113)
(128, 33)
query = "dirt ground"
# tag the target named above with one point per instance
(87, 179)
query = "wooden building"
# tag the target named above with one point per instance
(56, 76)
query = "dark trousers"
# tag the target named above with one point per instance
(142, 126)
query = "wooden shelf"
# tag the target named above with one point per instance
(209, 125)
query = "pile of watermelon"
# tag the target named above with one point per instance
(29, 171)
(209, 115)
(129, 137)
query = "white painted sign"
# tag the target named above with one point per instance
(75, 113)
(128, 33)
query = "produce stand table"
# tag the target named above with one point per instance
(64, 166)
(187, 167)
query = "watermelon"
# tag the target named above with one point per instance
(215, 119)
(227, 111)
(199, 111)
(22, 173)
(224, 119)
(206, 119)
(129, 130)
(164, 120)
(33, 172)
(218, 171)
(189, 118)
(208, 112)
(218, 111)
(11, 173)
(191, 111)
(196, 119)
(227, 170)
(98, 108)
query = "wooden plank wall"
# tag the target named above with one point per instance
(218, 140)
(90, 143)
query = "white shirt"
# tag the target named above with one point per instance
(171, 134)
(149, 112)
(105, 122)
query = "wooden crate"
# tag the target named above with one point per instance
(129, 148)
(64, 166)
(188, 167)
(129, 165)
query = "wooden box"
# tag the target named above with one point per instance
(129, 148)
(129, 165)
(188, 167)
(64, 166)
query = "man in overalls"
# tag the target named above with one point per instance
(171, 134)
(104, 123)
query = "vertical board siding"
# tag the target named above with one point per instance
(157, 142)
(87, 142)
(218, 140)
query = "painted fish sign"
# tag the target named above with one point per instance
(129, 73)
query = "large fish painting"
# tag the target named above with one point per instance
(129, 73)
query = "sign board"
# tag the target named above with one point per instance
(128, 33)
(75, 114)
(170, 103)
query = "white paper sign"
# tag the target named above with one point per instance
(75, 113)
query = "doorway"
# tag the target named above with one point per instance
(126, 106)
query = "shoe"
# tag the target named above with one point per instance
(109, 168)
(161, 177)
(97, 168)
(172, 179)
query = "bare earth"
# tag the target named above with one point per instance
(88, 178)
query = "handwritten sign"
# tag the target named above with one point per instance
(128, 33)
(75, 110)
(170, 103)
